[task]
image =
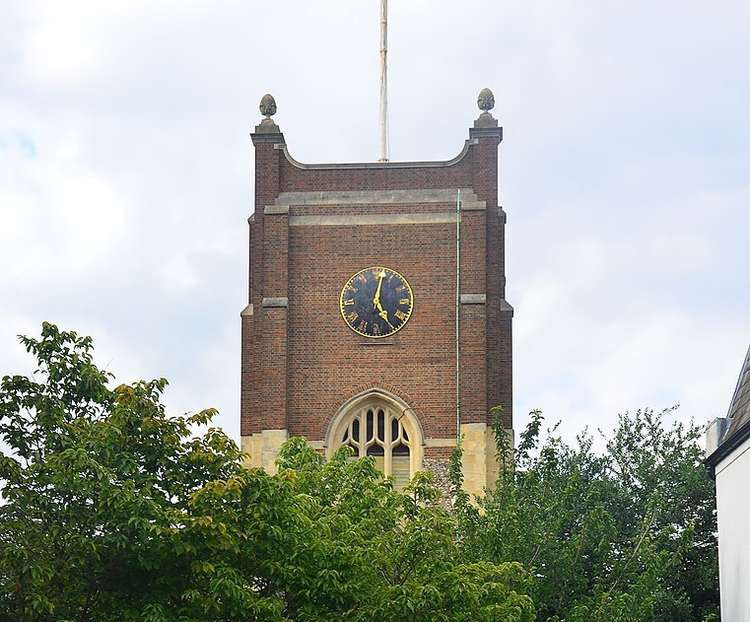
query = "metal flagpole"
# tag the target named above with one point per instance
(383, 80)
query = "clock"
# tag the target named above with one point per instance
(376, 302)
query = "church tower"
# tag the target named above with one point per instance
(376, 313)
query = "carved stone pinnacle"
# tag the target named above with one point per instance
(268, 105)
(486, 100)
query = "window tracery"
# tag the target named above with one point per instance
(379, 431)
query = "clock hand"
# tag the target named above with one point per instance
(376, 299)
(383, 313)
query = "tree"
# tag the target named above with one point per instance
(114, 510)
(625, 535)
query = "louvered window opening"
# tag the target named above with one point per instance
(378, 433)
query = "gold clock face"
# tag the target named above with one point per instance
(376, 302)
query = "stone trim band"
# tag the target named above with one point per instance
(275, 303)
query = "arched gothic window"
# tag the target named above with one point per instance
(379, 430)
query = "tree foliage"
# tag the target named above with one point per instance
(113, 510)
(627, 534)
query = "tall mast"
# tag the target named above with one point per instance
(383, 80)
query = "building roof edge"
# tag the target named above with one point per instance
(378, 165)
(728, 446)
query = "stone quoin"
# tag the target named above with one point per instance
(391, 394)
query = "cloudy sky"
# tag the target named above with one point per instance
(125, 179)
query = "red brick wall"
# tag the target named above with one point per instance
(300, 363)
(460, 175)
(332, 363)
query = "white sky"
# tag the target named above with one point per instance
(125, 177)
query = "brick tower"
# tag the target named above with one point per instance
(350, 334)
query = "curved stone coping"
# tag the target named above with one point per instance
(378, 165)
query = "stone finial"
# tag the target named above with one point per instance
(268, 105)
(486, 100)
(268, 109)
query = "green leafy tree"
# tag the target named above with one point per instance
(114, 511)
(627, 534)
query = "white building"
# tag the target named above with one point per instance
(728, 449)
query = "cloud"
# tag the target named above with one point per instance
(126, 177)
(47, 194)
